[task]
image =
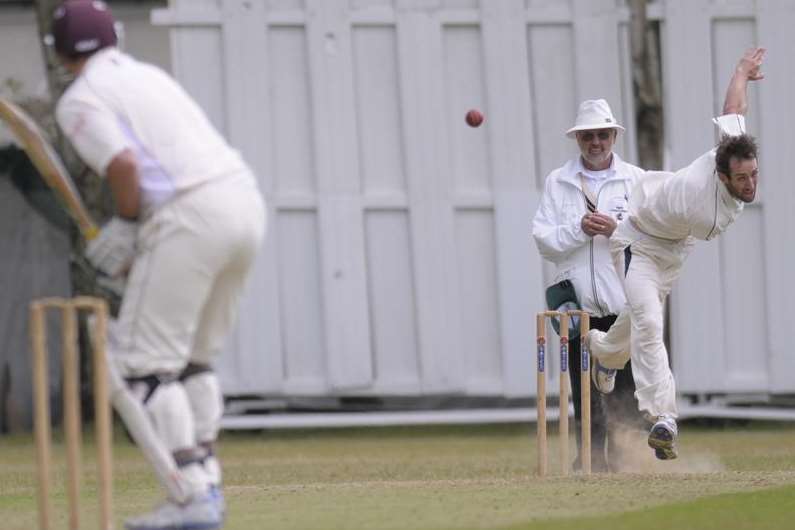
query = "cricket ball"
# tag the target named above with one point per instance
(474, 118)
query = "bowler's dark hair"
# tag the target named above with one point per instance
(741, 147)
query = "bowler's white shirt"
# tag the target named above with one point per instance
(690, 202)
(119, 103)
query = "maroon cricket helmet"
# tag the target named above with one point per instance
(81, 27)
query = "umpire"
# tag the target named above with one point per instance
(583, 202)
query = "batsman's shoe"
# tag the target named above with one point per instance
(199, 514)
(604, 379)
(662, 438)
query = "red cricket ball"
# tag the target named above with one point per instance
(474, 118)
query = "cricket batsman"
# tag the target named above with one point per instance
(189, 221)
(668, 212)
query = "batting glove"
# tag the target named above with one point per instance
(113, 250)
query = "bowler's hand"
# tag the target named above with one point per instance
(750, 64)
(597, 223)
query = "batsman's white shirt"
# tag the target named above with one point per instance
(667, 213)
(120, 103)
(203, 216)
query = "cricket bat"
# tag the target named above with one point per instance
(49, 165)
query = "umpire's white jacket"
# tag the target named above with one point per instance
(580, 258)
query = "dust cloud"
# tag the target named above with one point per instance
(630, 453)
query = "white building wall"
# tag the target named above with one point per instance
(729, 319)
(399, 259)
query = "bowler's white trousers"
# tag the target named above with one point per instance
(648, 267)
(194, 255)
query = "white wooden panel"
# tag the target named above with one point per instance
(479, 308)
(730, 39)
(745, 345)
(246, 78)
(743, 354)
(340, 214)
(596, 56)
(290, 111)
(696, 305)
(254, 361)
(512, 164)
(687, 44)
(689, 111)
(141, 39)
(282, 5)
(601, 63)
(545, 4)
(332, 96)
(301, 303)
(726, 284)
(374, 177)
(521, 288)
(460, 4)
(202, 78)
(776, 116)
(551, 71)
(463, 56)
(432, 228)
(364, 4)
(345, 292)
(378, 108)
(392, 303)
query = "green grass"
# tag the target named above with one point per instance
(446, 478)
(771, 509)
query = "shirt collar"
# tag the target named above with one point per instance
(611, 169)
(576, 168)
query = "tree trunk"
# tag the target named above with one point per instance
(56, 82)
(646, 78)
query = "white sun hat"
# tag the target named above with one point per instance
(594, 114)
